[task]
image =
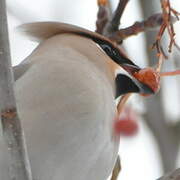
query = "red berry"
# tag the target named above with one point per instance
(150, 77)
(126, 127)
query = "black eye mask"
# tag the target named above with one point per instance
(110, 49)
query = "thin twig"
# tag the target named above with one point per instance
(114, 23)
(19, 167)
(122, 102)
(172, 73)
(116, 20)
(160, 62)
(151, 23)
(103, 15)
(120, 106)
(117, 169)
(167, 14)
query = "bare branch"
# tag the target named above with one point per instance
(103, 15)
(122, 102)
(172, 73)
(19, 168)
(151, 23)
(117, 169)
(114, 23)
(167, 14)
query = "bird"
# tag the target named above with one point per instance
(66, 92)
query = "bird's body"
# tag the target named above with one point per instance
(68, 122)
(65, 92)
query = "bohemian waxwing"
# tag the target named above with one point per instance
(65, 93)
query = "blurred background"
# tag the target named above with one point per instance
(154, 149)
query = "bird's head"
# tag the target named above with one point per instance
(132, 79)
(129, 77)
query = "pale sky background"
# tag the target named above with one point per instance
(139, 156)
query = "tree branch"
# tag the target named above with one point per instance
(19, 168)
(151, 23)
(103, 15)
(114, 23)
(167, 24)
(175, 175)
(117, 169)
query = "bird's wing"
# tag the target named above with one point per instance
(20, 69)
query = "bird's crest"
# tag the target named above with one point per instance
(40, 31)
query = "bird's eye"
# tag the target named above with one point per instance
(108, 49)
(114, 52)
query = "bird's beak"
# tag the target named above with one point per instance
(130, 68)
(126, 84)
(143, 88)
